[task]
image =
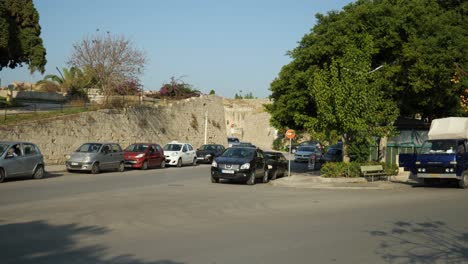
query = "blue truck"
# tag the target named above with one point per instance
(443, 156)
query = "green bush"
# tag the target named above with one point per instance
(353, 169)
(278, 144)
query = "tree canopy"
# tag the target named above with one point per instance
(112, 60)
(416, 45)
(20, 40)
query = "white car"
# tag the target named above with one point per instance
(179, 153)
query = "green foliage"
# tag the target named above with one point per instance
(352, 169)
(278, 144)
(359, 150)
(20, 40)
(177, 89)
(212, 92)
(73, 81)
(412, 45)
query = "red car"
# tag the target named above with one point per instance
(144, 156)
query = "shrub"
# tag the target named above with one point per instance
(353, 169)
(278, 144)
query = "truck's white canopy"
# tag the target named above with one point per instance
(449, 128)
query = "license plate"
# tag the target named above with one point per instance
(200, 158)
(228, 171)
(128, 166)
(74, 163)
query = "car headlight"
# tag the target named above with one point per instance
(214, 164)
(245, 166)
(208, 155)
(270, 167)
(175, 154)
(140, 155)
(87, 159)
(67, 157)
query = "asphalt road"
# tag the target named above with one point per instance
(176, 215)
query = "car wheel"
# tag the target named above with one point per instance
(179, 163)
(95, 168)
(194, 163)
(463, 183)
(163, 164)
(214, 180)
(251, 180)
(2, 175)
(145, 165)
(39, 172)
(275, 175)
(265, 176)
(121, 167)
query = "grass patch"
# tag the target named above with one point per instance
(20, 117)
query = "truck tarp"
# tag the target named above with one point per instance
(449, 128)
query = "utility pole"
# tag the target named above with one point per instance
(206, 125)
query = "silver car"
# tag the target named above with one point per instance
(20, 159)
(95, 157)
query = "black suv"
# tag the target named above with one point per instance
(240, 163)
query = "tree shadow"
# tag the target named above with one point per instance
(40, 242)
(425, 242)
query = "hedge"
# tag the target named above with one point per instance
(352, 169)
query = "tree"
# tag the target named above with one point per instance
(111, 59)
(415, 44)
(350, 104)
(212, 92)
(73, 79)
(20, 40)
(178, 89)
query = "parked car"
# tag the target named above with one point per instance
(304, 143)
(334, 153)
(95, 157)
(144, 156)
(245, 144)
(207, 152)
(240, 163)
(20, 159)
(178, 154)
(232, 141)
(277, 164)
(309, 153)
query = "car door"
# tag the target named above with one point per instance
(159, 152)
(14, 161)
(185, 155)
(105, 157)
(192, 153)
(116, 156)
(259, 163)
(152, 154)
(31, 158)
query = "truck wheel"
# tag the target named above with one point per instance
(463, 183)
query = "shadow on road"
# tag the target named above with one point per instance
(40, 242)
(425, 242)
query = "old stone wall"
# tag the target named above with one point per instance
(181, 120)
(247, 120)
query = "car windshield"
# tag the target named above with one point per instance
(173, 147)
(3, 147)
(233, 140)
(242, 153)
(137, 148)
(89, 148)
(208, 147)
(306, 149)
(439, 147)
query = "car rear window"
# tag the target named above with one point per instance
(173, 147)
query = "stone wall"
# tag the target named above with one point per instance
(182, 120)
(247, 120)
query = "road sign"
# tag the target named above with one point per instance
(290, 134)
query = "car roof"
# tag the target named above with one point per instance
(15, 142)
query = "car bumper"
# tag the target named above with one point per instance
(239, 175)
(172, 160)
(79, 166)
(134, 163)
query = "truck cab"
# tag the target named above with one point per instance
(443, 156)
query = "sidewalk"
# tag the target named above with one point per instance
(315, 181)
(55, 168)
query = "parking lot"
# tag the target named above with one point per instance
(176, 215)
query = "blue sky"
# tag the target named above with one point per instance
(226, 46)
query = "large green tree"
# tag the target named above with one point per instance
(20, 40)
(415, 47)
